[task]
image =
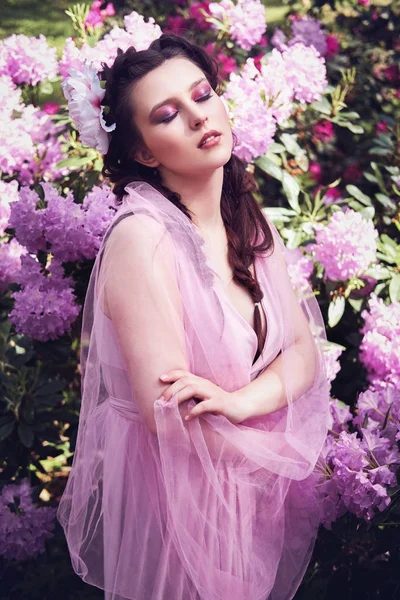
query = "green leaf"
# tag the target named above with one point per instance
(394, 288)
(6, 429)
(385, 200)
(279, 213)
(25, 434)
(292, 190)
(73, 162)
(276, 148)
(368, 212)
(323, 106)
(351, 126)
(268, 166)
(291, 145)
(336, 310)
(46, 88)
(358, 194)
(356, 303)
(370, 177)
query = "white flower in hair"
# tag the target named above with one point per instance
(83, 92)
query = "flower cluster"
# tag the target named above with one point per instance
(332, 353)
(261, 99)
(72, 231)
(138, 33)
(27, 60)
(300, 269)
(96, 15)
(379, 350)
(45, 306)
(346, 246)
(356, 469)
(309, 32)
(244, 20)
(24, 528)
(29, 140)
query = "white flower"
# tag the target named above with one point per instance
(84, 93)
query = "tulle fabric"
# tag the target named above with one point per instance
(156, 508)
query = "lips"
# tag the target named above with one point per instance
(208, 134)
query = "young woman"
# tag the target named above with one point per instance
(196, 485)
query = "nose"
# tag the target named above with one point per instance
(197, 121)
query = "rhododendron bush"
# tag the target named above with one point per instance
(315, 105)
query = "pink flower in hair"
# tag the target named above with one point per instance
(84, 94)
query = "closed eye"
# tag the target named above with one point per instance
(202, 99)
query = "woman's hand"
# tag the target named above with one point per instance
(213, 398)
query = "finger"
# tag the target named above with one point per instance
(174, 374)
(201, 408)
(174, 388)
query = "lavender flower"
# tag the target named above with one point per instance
(308, 31)
(24, 528)
(355, 469)
(45, 307)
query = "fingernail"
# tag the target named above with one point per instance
(187, 417)
(163, 376)
(161, 398)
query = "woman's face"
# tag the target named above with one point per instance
(174, 107)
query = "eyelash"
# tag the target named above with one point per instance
(202, 99)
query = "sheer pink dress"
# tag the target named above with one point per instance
(205, 510)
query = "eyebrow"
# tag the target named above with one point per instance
(193, 85)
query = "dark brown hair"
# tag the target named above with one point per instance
(240, 211)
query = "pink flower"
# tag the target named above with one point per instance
(96, 16)
(392, 73)
(364, 2)
(315, 171)
(176, 24)
(323, 131)
(84, 94)
(196, 14)
(332, 45)
(381, 127)
(353, 172)
(50, 108)
(331, 196)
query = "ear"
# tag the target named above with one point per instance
(145, 157)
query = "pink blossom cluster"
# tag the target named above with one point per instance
(72, 231)
(245, 20)
(8, 194)
(138, 33)
(253, 121)
(24, 528)
(346, 246)
(45, 306)
(27, 60)
(300, 268)
(259, 100)
(357, 468)
(379, 349)
(96, 15)
(332, 353)
(30, 147)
